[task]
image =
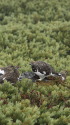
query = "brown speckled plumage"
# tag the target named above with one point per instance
(11, 74)
(42, 66)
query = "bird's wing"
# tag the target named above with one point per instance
(43, 67)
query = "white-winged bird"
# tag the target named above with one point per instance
(43, 70)
(9, 73)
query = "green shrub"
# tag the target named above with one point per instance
(35, 30)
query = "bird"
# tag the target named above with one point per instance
(63, 73)
(60, 78)
(43, 70)
(9, 73)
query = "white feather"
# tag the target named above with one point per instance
(51, 74)
(59, 74)
(4, 78)
(63, 78)
(2, 72)
(44, 72)
(38, 73)
(42, 76)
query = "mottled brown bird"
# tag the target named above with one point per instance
(60, 78)
(9, 73)
(43, 70)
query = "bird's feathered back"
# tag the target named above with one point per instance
(42, 66)
(11, 73)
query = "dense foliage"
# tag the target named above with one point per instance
(35, 30)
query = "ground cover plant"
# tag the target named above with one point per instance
(35, 30)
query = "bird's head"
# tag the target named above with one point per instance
(63, 75)
(33, 66)
(32, 63)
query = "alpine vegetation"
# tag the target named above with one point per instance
(36, 31)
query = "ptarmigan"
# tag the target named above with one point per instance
(43, 70)
(9, 73)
